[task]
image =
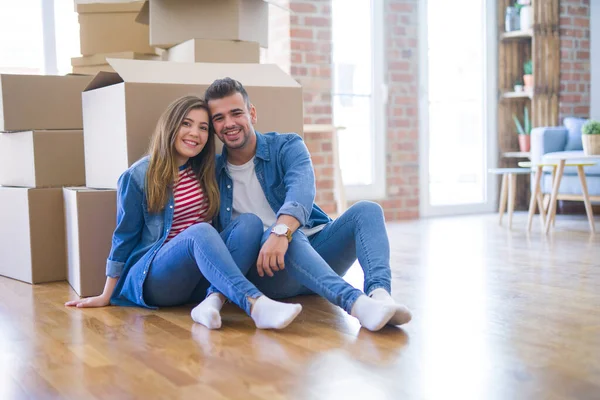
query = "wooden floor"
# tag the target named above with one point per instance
(498, 314)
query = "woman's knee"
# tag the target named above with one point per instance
(201, 229)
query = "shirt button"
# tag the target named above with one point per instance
(228, 209)
(144, 272)
(228, 186)
(170, 206)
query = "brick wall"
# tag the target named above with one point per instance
(575, 73)
(310, 65)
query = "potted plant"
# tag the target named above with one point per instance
(524, 131)
(518, 86)
(528, 75)
(590, 137)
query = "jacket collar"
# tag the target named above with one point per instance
(262, 151)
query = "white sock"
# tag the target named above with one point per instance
(270, 314)
(372, 314)
(207, 312)
(402, 314)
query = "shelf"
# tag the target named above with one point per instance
(528, 34)
(518, 95)
(516, 154)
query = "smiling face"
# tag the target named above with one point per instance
(233, 121)
(192, 135)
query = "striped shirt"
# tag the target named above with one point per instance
(190, 204)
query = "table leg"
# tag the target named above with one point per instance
(534, 194)
(512, 191)
(555, 187)
(540, 203)
(503, 196)
(586, 198)
(553, 179)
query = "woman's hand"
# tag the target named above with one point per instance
(97, 301)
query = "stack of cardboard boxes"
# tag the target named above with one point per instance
(110, 30)
(64, 230)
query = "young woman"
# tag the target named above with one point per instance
(165, 250)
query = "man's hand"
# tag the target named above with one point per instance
(97, 301)
(271, 255)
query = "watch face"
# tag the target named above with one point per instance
(280, 229)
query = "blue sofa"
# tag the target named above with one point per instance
(561, 140)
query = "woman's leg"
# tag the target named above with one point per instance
(200, 252)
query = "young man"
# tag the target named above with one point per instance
(303, 250)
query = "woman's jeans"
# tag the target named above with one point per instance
(316, 264)
(183, 265)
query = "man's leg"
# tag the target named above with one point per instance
(360, 233)
(306, 269)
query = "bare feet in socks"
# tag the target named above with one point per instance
(372, 314)
(402, 314)
(270, 314)
(207, 313)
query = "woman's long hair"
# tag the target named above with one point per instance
(163, 169)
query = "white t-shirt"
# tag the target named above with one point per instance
(248, 196)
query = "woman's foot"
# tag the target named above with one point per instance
(372, 314)
(402, 314)
(207, 313)
(270, 314)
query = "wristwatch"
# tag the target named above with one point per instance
(282, 230)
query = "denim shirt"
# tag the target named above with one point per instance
(137, 237)
(284, 169)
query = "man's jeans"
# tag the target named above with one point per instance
(181, 268)
(316, 264)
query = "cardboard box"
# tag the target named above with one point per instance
(214, 51)
(41, 102)
(32, 234)
(175, 21)
(37, 159)
(90, 221)
(111, 27)
(91, 65)
(121, 109)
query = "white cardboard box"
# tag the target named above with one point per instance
(32, 234)
(90, 220)
(121, 109)
(37, 159)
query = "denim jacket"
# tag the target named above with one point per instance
(137, 237)
(284, 169)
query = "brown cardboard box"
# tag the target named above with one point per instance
(90, 220)
(214, 51)
(32, 234)
(91, 65)
(111, 27)
(37, 159)
(175, 21)
(41, 102)
(121, 109)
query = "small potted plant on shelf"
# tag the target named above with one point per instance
(528, 75)
(590, 137)
(518, 86)
(524, 131)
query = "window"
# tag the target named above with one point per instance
(38, 37)
(359, 96)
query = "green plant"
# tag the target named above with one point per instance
(591, 127)
(528, 67)
(524, 129)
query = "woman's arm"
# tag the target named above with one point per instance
(96, 301)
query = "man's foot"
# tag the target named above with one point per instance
(402, 314)
(207, 313)
(270, 314)
(372, 314)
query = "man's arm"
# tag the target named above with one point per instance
(299, 180)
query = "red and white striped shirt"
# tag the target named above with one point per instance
(190, 204)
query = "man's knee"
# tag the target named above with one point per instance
(251, 224)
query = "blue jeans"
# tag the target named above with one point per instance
(183, 267)
(316, 264)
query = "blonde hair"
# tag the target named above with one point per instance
(163, 169)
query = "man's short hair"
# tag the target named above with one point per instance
(226, 87)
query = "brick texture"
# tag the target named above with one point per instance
(575, 75)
